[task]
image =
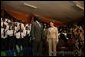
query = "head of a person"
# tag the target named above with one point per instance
(64, 31)
(35, 18)
(51, 23)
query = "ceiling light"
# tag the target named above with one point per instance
(78, 5)
(30, 5)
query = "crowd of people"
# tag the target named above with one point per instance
(14, 35)
(18, 36)
(73, 35)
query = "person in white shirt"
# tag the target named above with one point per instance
(22, 34)
(10, 32)
(1, 19)
(7, 27)
(16, 28)
(11, 38)
(22, 26)
(6, 19)
(1, 23)
(28, 25)
(65, 34)
(9, 20)
(28, 30)
(3, 32)
(17, 35)
(19, 39)
(27, 39)
(3, 39)
(6, 23)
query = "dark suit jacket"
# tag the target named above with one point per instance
(36, 31)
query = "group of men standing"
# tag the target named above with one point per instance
(18, 33)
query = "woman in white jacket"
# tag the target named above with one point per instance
(52, 39)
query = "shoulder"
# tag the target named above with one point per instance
(49, 28)
(56, 28)
(33, 24)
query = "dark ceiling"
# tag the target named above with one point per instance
(64, 11)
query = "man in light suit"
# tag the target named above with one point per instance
(36, 33)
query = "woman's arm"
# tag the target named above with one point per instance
(57, 34)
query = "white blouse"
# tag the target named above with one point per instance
(2, 29)
(1, 19)
(17, 35)
(2, 33)
(52, 32)
(10, 32)
(2, 24)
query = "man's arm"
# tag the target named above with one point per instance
(48, 34)
(32, 31)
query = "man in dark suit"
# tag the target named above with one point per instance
(36, 33)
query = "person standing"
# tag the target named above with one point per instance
(36, 34)
(52, 39)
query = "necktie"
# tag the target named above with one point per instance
(13, 32)
(26, 32)
(3, 24)
(20, 34)
(4, 32)
(20, 31)
(9, 27)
